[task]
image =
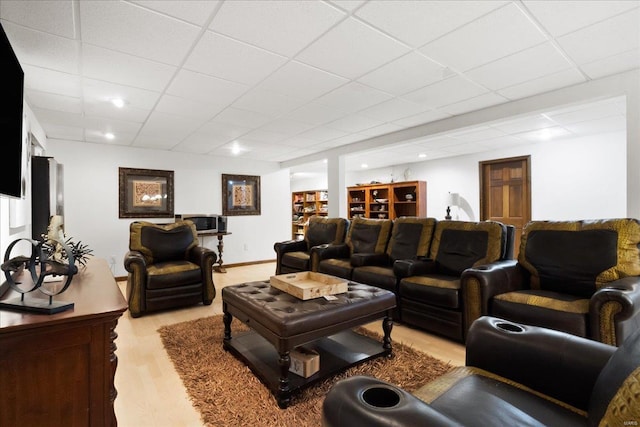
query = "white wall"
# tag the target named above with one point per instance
(577, 178)
(91, 198)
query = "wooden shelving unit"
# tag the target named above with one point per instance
(383, 201)
(304, 205)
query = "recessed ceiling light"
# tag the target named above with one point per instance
(364, 166)
(235, 149)
(422, 155)
(118, 102)
(109, 136)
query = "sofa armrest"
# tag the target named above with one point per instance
(386, 405)
(132, 258)
(558, 364)
(289, 246)
(362, 259)
(202, 256)
(480, 284)
(611, 306)
(328, 250)
(413, 267)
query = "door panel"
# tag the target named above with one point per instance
(505, 193)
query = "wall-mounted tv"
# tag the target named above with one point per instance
(12, 138)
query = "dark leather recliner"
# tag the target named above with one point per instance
(410, 239)
(429, 289)
(515, 375)
(167, 267)
(295, 255)
(580, 277)
(365, 238)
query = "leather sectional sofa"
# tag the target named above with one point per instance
(421, 260)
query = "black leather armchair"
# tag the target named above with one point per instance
(429, 289)
(515, 375)
(366, 239)
(167, 267)
(295, 255)
(581, 277)
(410, 239)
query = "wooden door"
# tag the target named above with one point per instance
(505, 194)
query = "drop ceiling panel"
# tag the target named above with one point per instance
(560, 17)
(612, 36)
(108, 65)
(203, 88)
(198, 12)
(365, 50)
(301, 81)
(529, 64)
(418, 22)
(54, 17)
(446, 92)
(44, 80)
(416, 70)
(501, 32)
(271, 24)
(127, 28)
(44, 50)
(230, 59)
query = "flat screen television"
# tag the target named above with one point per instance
(12, 139)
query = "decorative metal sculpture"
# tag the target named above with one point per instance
(40, 267)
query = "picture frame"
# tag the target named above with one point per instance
(240, 195)
(145, 193)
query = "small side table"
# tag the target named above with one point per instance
(220, 234)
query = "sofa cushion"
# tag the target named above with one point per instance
(436, 289)
(553, 252)
(323, 230)
(458, 245)
(297, 260)
(336, 267)
(410, 237)
(368, 235)
(172, 274)
(381, 277)
(549, 309)
(513, 404)
(160, 243)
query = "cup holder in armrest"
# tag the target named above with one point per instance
(381, 397)
(509, 327)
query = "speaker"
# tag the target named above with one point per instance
(222, 224)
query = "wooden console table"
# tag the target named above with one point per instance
(220, 234)
(58, 370)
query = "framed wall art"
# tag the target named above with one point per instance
(240, 195)
(145, 193)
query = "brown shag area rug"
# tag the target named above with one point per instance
(226, 392)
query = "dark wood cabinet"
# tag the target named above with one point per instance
(408, 198)
(58, 370)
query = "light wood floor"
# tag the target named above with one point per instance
(150, 392)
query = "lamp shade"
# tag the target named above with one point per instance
(452, 199)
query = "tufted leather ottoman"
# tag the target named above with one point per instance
(280, 322)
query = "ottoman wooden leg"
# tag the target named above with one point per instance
(387, 325)
(226, 318)
(284, 392)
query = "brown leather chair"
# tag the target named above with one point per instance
(429, 289)
(365, 238)
(581, 277)
(515, 375)
(295, 255)
(167, 267)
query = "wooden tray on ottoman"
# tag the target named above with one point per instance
(308, 284)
